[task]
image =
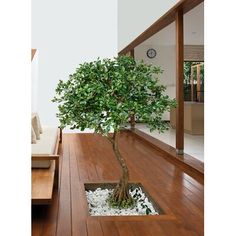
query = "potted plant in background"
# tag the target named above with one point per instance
(102, 95)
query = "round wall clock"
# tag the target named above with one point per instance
(151, 53)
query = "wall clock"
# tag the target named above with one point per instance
(151, 53)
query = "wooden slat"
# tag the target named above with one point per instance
(109, 228)
(94, 228)
(42, 185)
(64, 211)
(124, 228)
(78, 201)
(140, 228)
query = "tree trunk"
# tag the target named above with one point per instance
(121, 194)
(132, 121)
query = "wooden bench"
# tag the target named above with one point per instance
(45, 179)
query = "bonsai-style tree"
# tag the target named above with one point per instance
(103, 95)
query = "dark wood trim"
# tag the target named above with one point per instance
(132, 53)
(33, 51)
(162, 22)
(179, 81)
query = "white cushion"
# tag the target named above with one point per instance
(38, 122)
(33, 135)
(35, 126)
(44, 146)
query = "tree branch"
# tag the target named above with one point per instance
(101, 130)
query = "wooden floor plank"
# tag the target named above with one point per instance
(89, 158)
(64, 211)
(140, 228)
(109, 228)
(94, 228)
(124, 228)
(155, 229)
(78, 207)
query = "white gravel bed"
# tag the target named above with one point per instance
(98, 205)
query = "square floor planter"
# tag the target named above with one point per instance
(93, 186)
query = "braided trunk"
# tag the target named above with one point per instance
(121, 196)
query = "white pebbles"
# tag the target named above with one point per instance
(98, 205)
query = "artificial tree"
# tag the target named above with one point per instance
(103, 95)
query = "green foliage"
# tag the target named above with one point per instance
(187, 71)
(102, 95)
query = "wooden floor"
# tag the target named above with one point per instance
(89, 158)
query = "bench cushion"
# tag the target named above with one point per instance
(35, 114)
(45, 146)
(33, 135)
(35, 126)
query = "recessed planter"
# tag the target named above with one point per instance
(98, 193)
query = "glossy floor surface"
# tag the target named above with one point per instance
(193, 144)
(89, 158)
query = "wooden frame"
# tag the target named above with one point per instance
(43, 180)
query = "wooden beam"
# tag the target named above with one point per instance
(162, 22)
(179, 82)
(132, 52)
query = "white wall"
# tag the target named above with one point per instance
(66, 33)
(166, 60)
(134, 17)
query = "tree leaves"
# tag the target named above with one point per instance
(103, 94)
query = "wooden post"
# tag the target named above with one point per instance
(132, 53)
(179, 82)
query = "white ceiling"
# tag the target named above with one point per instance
(193, 30)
